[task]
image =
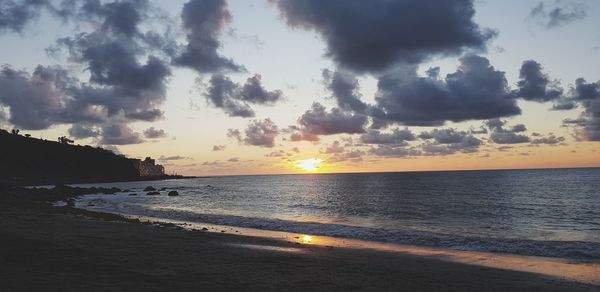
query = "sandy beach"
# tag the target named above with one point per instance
(60, 248)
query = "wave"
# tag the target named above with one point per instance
(581, 250)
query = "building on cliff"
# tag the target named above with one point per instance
(148, 167)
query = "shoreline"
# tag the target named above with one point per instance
(584, 271)
(64, 248)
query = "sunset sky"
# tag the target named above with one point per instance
(211, 87)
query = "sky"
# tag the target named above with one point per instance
(216, 87)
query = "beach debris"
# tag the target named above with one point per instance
(204, 229)
(173, 193)
(152, 193)
(149, 189)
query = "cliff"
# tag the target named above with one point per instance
(25, 160)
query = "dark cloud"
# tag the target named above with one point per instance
(475, 91)
(551, 139)
(171, 158)
(118, 81)
(119, 17)
(588, 124)
(395, 151)
(42, 99)
(278, 153)
(15, 15)
(153, 133)
(218, 147)
(502, 135)
(204, 21)
(559, 14)
(261, 133)
(234, 98)
(118, 133)
(258, 133)
(478, 131)
(318, 121)
(397, 136)
(353, 156)
(344, 88)
(233, 159)
(585, 91)
(564, 105)
(120, 89)
(79, 131)
(448, 141)
(373, 35)
(534, 85)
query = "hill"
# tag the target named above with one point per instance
(27, 161)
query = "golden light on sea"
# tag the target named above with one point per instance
(307, 239)
(309, 165)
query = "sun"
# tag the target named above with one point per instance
(309, 165)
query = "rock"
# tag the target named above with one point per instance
(204, 228)
(152, 193)
(173, 193)
(133, 194)
(162, 189)
(149, 189)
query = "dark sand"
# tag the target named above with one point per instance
(45, 248)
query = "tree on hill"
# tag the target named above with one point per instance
(65, 140)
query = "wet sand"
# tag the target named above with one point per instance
(50, 249)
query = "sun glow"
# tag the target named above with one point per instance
(309, 165)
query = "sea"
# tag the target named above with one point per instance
(548, 213)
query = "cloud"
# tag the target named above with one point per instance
(40, 100)
(559, 14)
(335, 147)
(278, 153)
(397, 136)
(218, 147)
(235, 134)
(172, 158)
(551, 139)
(344, 88)
(448, 141)
(534, 85)
(318, 121)
(588, 124)
(120, 88)
(258, 133)
(475, 91)
(118, 133)
(15, 15)
(152, 133)
(502, 135)
(353, 155)
(234, 98)
(79, 131)
(395, 151)
(204, 21)
(372, 35)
